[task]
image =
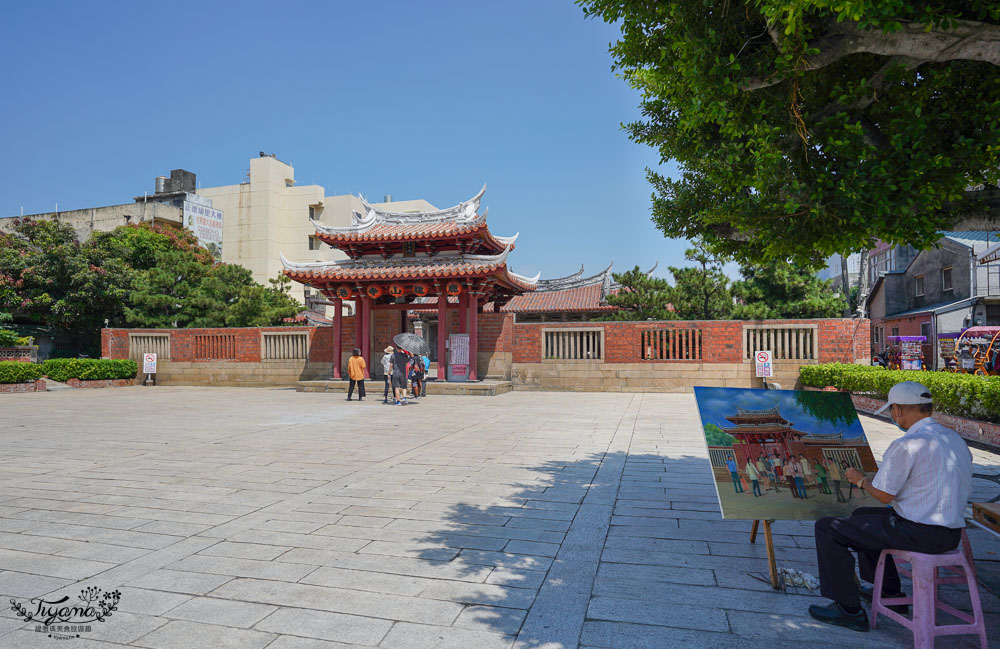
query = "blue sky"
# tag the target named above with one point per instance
(714, 404)
(414, 99)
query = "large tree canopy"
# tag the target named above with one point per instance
(808, 127)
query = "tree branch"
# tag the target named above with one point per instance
(965, 40)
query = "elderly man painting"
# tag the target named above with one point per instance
(926, 476)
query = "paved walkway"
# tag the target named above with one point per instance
(252, 518)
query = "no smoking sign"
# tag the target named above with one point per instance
(764, 367)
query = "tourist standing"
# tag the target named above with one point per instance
(416, 375)
(790, 475)
(400, 360)
(387, 371)
(820, 470)
(754, 477)
(836, 478)
(762, 470)
(427, 370)
(356, 372)
(735, 474)
(778, 476)
(807, 474)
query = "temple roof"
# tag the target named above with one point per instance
(379, 226)
(766, 415)
(408, 268)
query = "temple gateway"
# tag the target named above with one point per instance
(399, 261)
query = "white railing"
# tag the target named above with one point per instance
(144, 343)
(282, 345)
(585, 344)
(671, 345)
(793, 342)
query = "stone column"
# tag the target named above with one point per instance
(473, 334)
(338, 328)
(442, 373)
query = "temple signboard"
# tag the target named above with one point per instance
(458, 357)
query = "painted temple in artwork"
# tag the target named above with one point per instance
(766, 431)
(435, 265)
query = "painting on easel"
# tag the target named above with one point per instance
(782, 454)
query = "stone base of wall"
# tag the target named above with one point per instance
(231, 373)
(99, 383)
(971, 429)
(589, 376)
(31, 386)
(494, 365)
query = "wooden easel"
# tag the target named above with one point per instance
(769, 542)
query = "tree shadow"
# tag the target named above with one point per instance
(663, 554)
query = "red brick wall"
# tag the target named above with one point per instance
(838, 339)
(496, 332)
(114, 342)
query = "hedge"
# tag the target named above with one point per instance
(18, 372)
(965, 395)
(88, 369)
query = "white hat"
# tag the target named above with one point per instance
(907, 393)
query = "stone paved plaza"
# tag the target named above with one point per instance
(252, 518)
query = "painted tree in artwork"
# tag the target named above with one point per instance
(832, 407)
(718, 437)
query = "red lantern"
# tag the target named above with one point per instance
(453, 288)
(344, 292)
(374, 292)
(420, 290)
(396, 290)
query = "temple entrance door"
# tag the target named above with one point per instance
(431, 337)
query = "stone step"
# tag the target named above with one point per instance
(375, 386)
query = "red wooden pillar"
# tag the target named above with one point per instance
(463, 312)
(338, 328)
(366, 336)
(358, 317)
(473, 334)
(442, 374)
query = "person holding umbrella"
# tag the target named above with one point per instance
(400, 360)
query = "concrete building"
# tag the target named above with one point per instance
(102, 219)
(938, 291)
(268, 214)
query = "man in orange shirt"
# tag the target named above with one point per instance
(356, 372)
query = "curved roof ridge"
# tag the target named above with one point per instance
(576, 280)
(466, 210)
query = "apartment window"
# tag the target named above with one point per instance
(918, 285)
(895, 331)
(312, 214)
(946, 284)
(314, 243)
(925, 329)
(878, 336)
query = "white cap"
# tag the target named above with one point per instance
(907, 393)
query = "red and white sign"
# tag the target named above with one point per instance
(149, 363)
(764, 367)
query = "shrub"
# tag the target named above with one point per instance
(18, 372)
(965, 395)
(8, 338)
(88, 369)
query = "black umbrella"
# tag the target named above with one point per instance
(412, 343)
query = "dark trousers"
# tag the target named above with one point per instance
(869, 530)
(385, 395)
(361, 388)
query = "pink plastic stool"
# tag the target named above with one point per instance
(959, 568)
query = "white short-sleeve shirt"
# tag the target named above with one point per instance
(929, 471)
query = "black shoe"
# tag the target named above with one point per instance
(836, 615)
(868, 591)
